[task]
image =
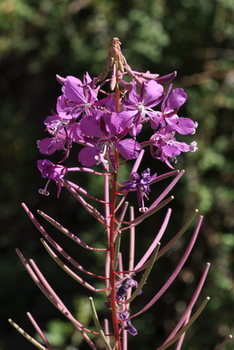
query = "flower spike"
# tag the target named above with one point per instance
(113, 123)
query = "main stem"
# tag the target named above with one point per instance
(112, 237)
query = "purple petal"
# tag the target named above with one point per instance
(176, 99)
(131, 330)
(182, 146)
(166, 78)
(50, 170)
(170, 151)
(127, 119)
(175, 149)
(183, 126)
(135, 130)
(62, 80)
(73, 92)
(154, 93)
(61, 104)
(50, 145)
(73, 132)
(133, 97)
(90, 126)
(112, 123)
(128, 148)
(87, 156)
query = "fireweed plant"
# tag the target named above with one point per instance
(106, 115)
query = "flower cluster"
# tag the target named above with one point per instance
(101, 127)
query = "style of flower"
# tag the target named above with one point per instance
(140, 105)
(51, 171)
(103, 135)
(141, 184)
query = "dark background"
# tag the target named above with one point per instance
(41, 39)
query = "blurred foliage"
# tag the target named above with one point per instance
(41, 38)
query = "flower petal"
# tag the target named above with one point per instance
(87, 156)
(153, 94)
(50, 145)
(90, 126)
(176, 98)
(128, 148)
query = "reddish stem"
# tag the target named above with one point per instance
(112, 258)
(112, 236)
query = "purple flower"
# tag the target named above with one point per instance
(49, 145)
(125, 323)
(172, 101)
(63, 134)
(122, 288)
(103, 134)
(81, 97)
(125, 284)
(51, 171)
(141, 185)
(140, 105)
(167, 146)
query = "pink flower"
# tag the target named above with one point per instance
(140, 105)
(103, 134)
(167, 146)
(51, 171)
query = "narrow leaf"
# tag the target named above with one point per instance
(176, 271)
(167, 190)
(186, 327)
(221, 346)
(145, 275)
(27, 336)
(68, 257)
(68, 270)
(97, 324)
(191, 304)
(178, 235)
(155, 242)
(45, 287)
(82, 191)
(86, 170)
(39, 331)
(90, 209)
(149, 212)
(59, 227)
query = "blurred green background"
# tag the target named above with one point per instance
(41, 38)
